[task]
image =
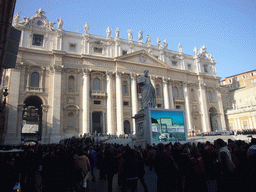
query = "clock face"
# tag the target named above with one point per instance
(38, 23)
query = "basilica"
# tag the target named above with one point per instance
(68, 83)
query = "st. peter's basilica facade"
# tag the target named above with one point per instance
(67, 83)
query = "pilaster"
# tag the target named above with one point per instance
(166, 96)
(134, 99)
(110, 126)
(171, 94)
(119, 104)
(187, 105)
(86, 101)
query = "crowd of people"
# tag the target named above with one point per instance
(70, 166)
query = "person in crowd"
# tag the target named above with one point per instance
(141, 169)
(166, 170)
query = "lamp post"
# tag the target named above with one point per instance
(2, 104)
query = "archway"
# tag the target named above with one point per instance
(214, 122)
(97, 122)
(127, 129)
(32, 119)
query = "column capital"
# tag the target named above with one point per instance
(183, 83)
(153, 77)
(45, 108)
(56, 68)
(85, 71)
(134, 76)
(202, 85)
(109, 74)
(165, 80)
(119, 74)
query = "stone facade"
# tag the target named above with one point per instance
(84, 83)
(239, 100)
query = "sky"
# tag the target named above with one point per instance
(226, 27)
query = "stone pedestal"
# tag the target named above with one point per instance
(142, 123)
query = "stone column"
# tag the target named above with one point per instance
(110, 116)
(250, 122)
(45, 132)
(171, 94)
(56, 104)
(187, 105)
(203, 106)
(85, 44)
(236, 126)
(166, 96)
(59, 40)
(119, 104)
(134, 100)
(153, 78)
(11, 137)
(117, 48)
(254, 121)
(220, 105)
(86, 101)
(239, 124)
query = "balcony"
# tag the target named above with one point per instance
(98, 94)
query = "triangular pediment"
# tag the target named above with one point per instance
(142, 57)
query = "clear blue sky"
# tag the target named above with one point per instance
(226, 27)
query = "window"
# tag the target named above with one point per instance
(124, 52)
(38, 40)
(97, 50)
(238, 85)
(126, 103)
(70, 120)
(159, 105)
(124, 89)
(175, 92)
(97, 102)
(157, 90)
(253, 80)
(230, 80)
(34, 80)
(177, 106)
(244, 76)
(230, 86)
(71, 84)
(72, 47)
(174, 63)
(252, 74)
(189, 66)
(96, 84)
(237, 78)
(210, 96)
(205, 68)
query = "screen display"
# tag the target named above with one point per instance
(167, 126)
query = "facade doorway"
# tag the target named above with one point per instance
(127, 128)
(214, 122)
(32, 119)
(97, 122)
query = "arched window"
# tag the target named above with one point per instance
(34, 82)
(157, 90)
(175, 92)
(71, 84)
(96, 84)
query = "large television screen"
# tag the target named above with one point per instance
(167, 126)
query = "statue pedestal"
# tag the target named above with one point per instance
(142, 123)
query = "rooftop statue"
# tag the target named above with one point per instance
(130, 36)
(180, 48)
(140, 36)
(40, 12)
(86, 28)
(117, 32)
(108, 31)
(165, 43)
(148, 92)
(159, 43)
(60, 23)
(16, 18)
(195, 51)
(148, 40)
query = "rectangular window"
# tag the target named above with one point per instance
(96, 102)
(205, 68)
(38, 40)
(124, 52)
(237, 78)
(126, 103)
(253, 80)
(72, 47)
(174, 63)
(244, 76)
(252, 74)
(189, 66)
(238, 85)
(159, 105)
(177, 107)
(97, 50)
(124, 89)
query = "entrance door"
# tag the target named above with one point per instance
(127, 129)
(97, 124)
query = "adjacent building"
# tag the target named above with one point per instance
(67, 83)
(239, 100)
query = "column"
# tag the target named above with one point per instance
(239, 124)
(153, 78)
(236, 126)
(119, 104)
(134, 100)
(166, 97)
(203, 106)
(171, 95)
(117, 48)
(222, 118)
(45, 134)
(59, 40)
(187, 105)
(11, 137)
(86, 101)
(254, 122)
(250, 122)
(56, 104)
(85, 44)
(110, 126)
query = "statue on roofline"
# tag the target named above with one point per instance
(60, 23)
(86, 28)
(130, 36)
(108, 31)
(117, 32)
